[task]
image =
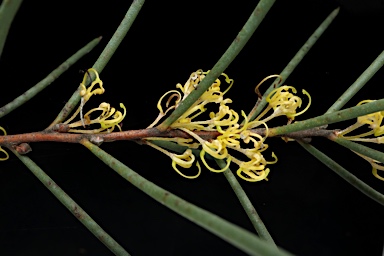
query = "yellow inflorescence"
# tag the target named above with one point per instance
(226, 121)
(374, 121)
(108, 118)
(1, 149)
(284, 103)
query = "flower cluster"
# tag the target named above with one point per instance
(233, 136)
(108, 118)
(374, 122)
(282, 102)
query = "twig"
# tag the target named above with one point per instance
(364, 150)
(246, 204)
(346, 175)
(72, 206)
(54, 136)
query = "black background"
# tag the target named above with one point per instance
(308, 209)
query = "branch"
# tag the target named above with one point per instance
(55, 136)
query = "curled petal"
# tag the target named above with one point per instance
(229, 81)
(192, 83)
(1, 149)
(160, 108)
(285, 103)
(262, 81)
(247, 136)
(185, 160)
(253, 177)
(309, 103)
(105, 124)
(232, 119)
(185, 176)
(376, 167)
(86, 93)
(374, 120)
(174, 94)
(117, 118)
(202, 153)
(274, 161)
(3, 130)
(5, 153)
(230, 141)
(215, 149)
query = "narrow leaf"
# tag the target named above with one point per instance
(72, 206)
(346, 175)
(32, 92)
(231, 233)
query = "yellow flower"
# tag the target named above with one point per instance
(284, 102)
(86, 93)
(374, 121)
(1, 149)
(174, 94)
(255, 168)
(202, 157)
(225, 121)
(185, 160)
(214, 148)
(212, 95)
(375, 165)
(108, 119)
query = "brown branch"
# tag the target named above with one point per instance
(58, 134)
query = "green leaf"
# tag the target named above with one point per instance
(229, 232)
(72, 206)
